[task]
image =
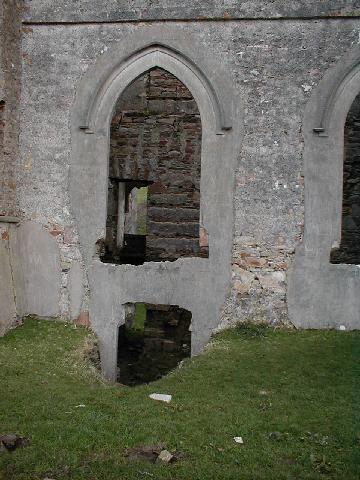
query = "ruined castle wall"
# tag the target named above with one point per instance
(10, 85)
(277, 53)
(142, 10)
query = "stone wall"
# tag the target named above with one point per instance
(349, 251)
(277, 53)
(156, 137)
(10, 86)
(152, 10)
(8, 311)
(2, 125)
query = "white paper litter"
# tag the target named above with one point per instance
(239, 440)
(161, 396)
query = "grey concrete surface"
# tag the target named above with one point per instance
(322, 295)
(7, 291)
(35, 263)
(76, 289)
(129, 10)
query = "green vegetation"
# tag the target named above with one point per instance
(140, 316)
(141, 198)
(292, 395)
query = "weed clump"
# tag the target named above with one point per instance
(249, 330)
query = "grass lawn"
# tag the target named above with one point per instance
(294, 397)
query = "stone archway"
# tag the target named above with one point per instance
(198, 285)
(321, 294)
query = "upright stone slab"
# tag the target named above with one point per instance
(36, 266)
(7, 293)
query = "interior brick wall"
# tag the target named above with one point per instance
(349, 251)
(156, 137)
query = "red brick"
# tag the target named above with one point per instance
(83, 320)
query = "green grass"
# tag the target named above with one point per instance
(141, 198)
(140, 316)
(292, 395)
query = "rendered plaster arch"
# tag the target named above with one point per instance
(321, 294)
(98, 82)
(196, 284)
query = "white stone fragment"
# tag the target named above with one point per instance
(161, 396)
(165, 456)
(306, 88)
(239, 440)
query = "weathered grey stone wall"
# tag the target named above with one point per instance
(2, 72)
(135, 10)
(277, 53)
(275, 65)
(34, 259)
(10, 84)
(8, 314)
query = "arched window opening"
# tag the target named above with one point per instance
(152, 342)
(349, 250)
(153, 209)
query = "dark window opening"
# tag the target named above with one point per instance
(126, 222)
(152, 342)
(349, 250)
(153, 209)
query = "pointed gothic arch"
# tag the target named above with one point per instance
(197, 284)
(321, 294)
(120, 72)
